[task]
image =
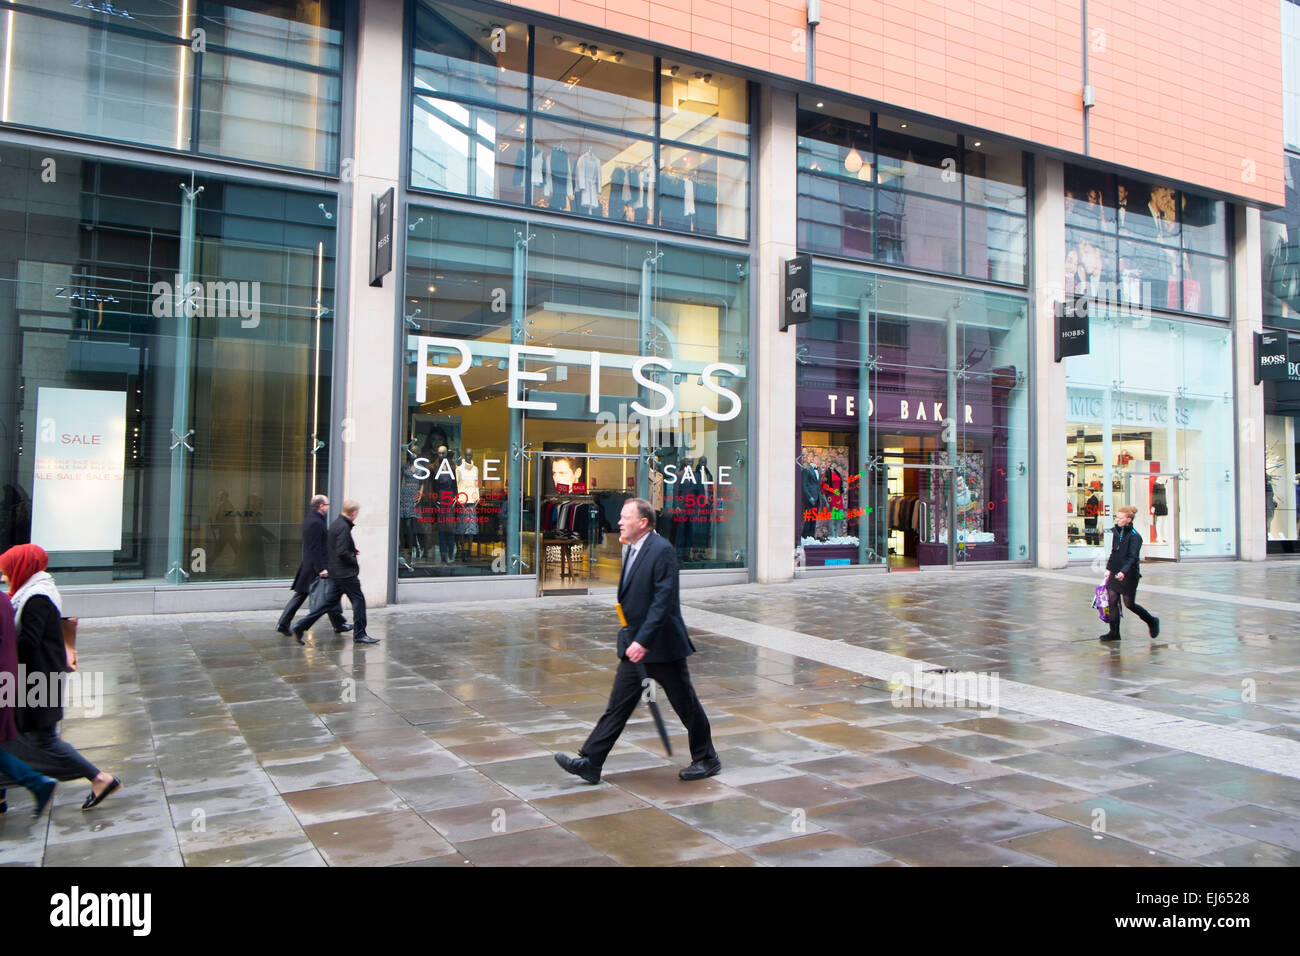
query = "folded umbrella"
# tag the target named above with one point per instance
(648, 697)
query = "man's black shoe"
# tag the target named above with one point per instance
(701, 769)
(343, 630)
(365, 639)
(285, 631)
(579, 767)
(297, 633)
(1155, 628)
(1109, 637)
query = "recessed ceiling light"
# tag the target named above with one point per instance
(902, 126)
(820, 105)
(978, 143)
(433, 288)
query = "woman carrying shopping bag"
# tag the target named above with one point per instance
(41, 786)
(1122, 574)
(41, 649)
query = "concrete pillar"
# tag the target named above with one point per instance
(1049, 407)
(369, 458)
(1247, 311)
(772, 387)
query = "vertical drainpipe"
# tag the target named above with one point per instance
(1089, 96)
(810, 57)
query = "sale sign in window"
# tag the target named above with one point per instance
(80, 470)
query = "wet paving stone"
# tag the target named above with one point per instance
(437, 750)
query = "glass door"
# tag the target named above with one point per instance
(569, 526)
(920, 508)
(1155, 495)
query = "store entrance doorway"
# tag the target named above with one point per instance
(569, 527)
(1155, 495)
(922, 508)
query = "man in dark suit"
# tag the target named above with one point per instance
(655, 639)
(314, 565)
(344, 577)
(1122, 574)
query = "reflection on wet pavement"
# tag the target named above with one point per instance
(239, 747)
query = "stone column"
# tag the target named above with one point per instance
(1247, 312)
(366, 432)
(772, 382)
(1048, 376)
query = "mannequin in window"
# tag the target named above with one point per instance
(810, 488)
(444, 498)
(833, 490)
(1091, 509)
(1160, 510)
(467, 495)
(705, 502)
(409, 543)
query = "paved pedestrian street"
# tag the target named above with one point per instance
(834, 711)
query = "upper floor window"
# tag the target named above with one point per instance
(1144, 244)
(256, 80)
(513, 113)
(877, 187)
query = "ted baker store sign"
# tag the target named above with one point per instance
(847, 405)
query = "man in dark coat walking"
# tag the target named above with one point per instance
(344, 577)
(1122, 574)
(654, 642)
(314, 565)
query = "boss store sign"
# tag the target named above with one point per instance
(1272, 362)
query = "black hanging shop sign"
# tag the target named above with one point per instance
(796, 291)
(1071, 327)
(1271, 358)
(381, 237)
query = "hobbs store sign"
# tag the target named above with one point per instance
(593, 361)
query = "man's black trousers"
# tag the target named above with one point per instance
(675, 679)
(295, 602)
(339, 587)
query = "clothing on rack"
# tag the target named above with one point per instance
(645, 178)
(587, 182)
(560, 168)
(620, 193)
(706, 208)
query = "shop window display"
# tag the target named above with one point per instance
(1158, 436)
(206, 415)
(912, 411)
(625, 360)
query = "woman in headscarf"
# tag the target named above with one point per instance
(41, 786)
(37, 610)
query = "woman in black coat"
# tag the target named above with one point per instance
(11, 768)
(37, 606)
(1123, 572)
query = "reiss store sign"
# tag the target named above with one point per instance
(593, 362)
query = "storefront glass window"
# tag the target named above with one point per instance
(164, 371)
(1279, 242)
(1154, 434)
(1144, 245)
(270, 76)
(879, 187)
(912, 420)
(597, 134)
(584, 326)
(1282, 459)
